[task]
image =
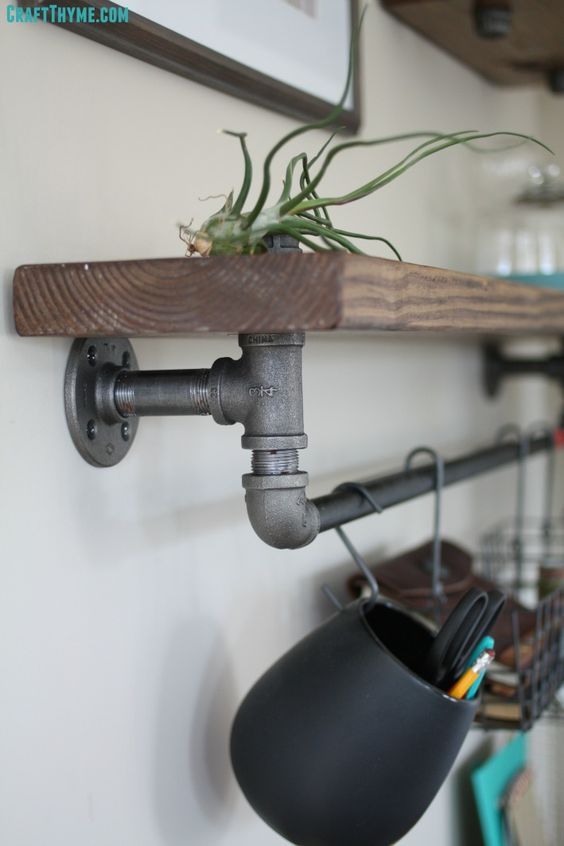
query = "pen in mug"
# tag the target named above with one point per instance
(461, 687)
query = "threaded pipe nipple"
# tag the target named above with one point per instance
(274, 462)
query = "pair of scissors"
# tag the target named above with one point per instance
(470, 620)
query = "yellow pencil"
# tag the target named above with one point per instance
(462, 685)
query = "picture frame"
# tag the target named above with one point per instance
(153, 42)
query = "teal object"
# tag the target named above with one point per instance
(486, 643)
(490, 782)
(543, 280)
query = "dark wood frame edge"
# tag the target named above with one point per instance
(143, 39)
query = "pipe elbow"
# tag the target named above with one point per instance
(279, 510)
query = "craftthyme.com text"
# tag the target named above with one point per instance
(67, 14)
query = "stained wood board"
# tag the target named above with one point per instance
(273, 293)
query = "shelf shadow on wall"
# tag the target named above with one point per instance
(194, 789)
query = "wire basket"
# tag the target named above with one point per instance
(516, 555)
(525, 557)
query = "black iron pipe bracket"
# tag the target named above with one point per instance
(106, 394)
(498, 367)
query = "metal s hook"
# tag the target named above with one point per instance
(363, 491)
(357, 557)
(521, 438)
(438, 461)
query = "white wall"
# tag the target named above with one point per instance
(136, 605)
(552, 123)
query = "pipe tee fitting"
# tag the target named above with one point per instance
(263, 391)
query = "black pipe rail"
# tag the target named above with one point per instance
(344, 506)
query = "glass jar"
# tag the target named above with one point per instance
(525, 239)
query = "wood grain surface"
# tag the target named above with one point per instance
(275, 293)
(533, 48)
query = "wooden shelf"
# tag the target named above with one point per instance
(273, 293)
(533, 48)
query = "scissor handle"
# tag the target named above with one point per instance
(466, 625)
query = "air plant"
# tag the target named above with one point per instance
(301, 210)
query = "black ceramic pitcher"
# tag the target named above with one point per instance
(341, 742)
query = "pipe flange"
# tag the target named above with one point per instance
(102, 438)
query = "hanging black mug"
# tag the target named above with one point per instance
(341, 742)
